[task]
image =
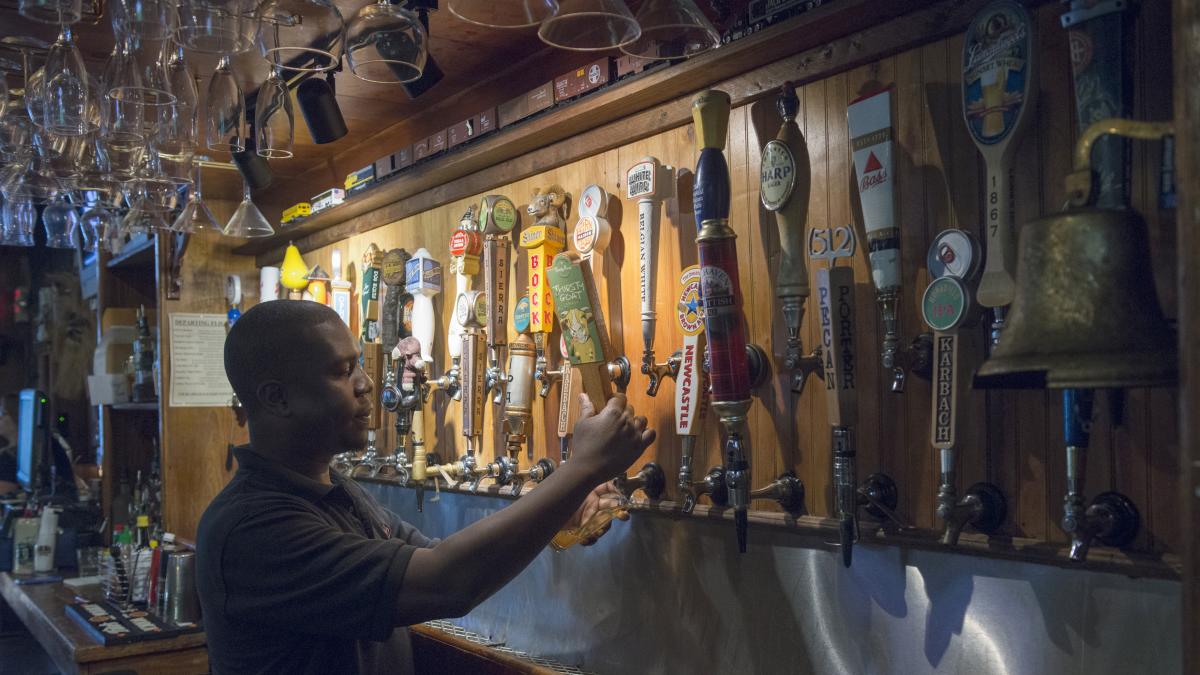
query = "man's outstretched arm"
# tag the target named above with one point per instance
(472, 564)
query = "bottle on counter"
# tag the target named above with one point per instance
(25, 535)
(47, 536)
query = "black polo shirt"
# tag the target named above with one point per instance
(299, 577)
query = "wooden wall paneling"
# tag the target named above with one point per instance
(1186, 40)
(939, 182)
(194, 440)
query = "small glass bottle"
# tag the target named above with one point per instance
(143, 361)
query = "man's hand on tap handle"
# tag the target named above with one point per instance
(606, 442)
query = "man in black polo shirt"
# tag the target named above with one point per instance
(299, 570)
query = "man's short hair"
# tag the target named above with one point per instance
(266, 340)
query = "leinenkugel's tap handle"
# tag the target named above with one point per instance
(999, 85)
(785, 180)
(724, 321)
(369, 293)
(649, 182)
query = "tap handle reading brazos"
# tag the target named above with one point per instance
(396, 318)
(724, 322)
(471, 311)
(422, 281)
(871, 142)
(785, 180)
(497, 217)
(835, 297)
(577, 304)
(465, 246)
(999, 85)
(649, 182)
(691, 387)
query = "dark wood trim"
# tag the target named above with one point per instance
(815, 45)
(1186, 22)
(436, 651)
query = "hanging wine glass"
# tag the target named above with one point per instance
(387, 44)
(217, 26)
(65, 92)
(175, 139)
(51, 11)
(138, 74)
(226, 128)
(503, 13)
(16, 134)
(196, 215)
(672, 29)
(144, 19)
(309, 34)
(61, 221)
(20, 217)
(32, 181)
(248, 221)
(274, 121)
(4, 101)
(590, 25)
(94, 224)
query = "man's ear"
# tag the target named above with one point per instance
(272, 397)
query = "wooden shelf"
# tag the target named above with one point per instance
(747, 69)
(136, 255)
(145, 407)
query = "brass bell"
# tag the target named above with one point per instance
(1086, 314)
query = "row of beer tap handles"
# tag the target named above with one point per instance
(715, 368)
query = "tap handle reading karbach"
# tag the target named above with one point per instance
(724, 322)
(471, 310)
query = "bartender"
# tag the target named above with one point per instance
(299, 569)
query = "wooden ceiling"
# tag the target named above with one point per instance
(482, 67)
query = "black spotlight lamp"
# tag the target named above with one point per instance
(253, 166)
(320, 109)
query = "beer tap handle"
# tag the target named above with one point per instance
(649, 182)
(578, 306)
(880, 495)
(650, 480)
(655, 373)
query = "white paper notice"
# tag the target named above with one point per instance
(198, 361)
